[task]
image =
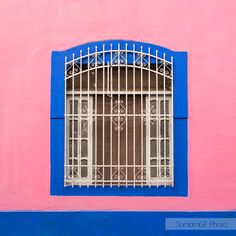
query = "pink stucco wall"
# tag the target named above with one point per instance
(31, 29)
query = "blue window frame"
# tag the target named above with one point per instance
(57, 121)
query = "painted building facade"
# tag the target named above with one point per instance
(31, 30)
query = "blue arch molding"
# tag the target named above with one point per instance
(180, 124)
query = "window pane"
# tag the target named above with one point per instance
(162, 148)
(73, 169)
(84, 128)
(153, 168)
(167, 128)
(73, 161)
(84, 168)
(162, 171)
(165, 161)
(166, 108)
(153, 148)
(165, 171)
(75, 107)
(70, 148)
(75, 148)
(84, 108)
(75, 128)
(84, 148)
(70, 128)
(153, 107)
(153, 127)
(167, 148)
(165, 152)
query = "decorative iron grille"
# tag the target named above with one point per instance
(119, 118)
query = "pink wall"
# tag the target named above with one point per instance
(31, 29)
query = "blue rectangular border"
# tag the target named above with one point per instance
(180, 128)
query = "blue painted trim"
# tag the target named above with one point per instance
(180, 85)
(180, 126)
(57, 156)
(102, 223)
(57, 85)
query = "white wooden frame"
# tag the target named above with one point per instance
(158, 118)
(79, 118)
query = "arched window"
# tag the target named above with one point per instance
(120, 105)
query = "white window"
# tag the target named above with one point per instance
(79, 135)
(158, 139)
(119, 119)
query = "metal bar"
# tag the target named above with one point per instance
(157, 120)
(149, 98)
(115, 51)
(137, 165)
(103, 118)
(73, 112)
(164, 111)
(119, 101)
(134, 175)
(152, 182)
(116, 65)
(144, 92)
(149, 138)
(148, 169)
(126, 118)
(90, 142)
(172, 124)
(79, 122)
(111, 112)
(142, 161)
(65, 125)
(96, 112)
(115, 115)
(88, 102)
